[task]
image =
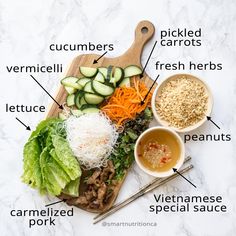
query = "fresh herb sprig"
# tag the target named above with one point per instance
(123, 156)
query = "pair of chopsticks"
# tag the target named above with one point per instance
(157, 182)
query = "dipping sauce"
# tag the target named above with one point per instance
(159, 150)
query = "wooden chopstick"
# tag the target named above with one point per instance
(139, 194)
(144, 187)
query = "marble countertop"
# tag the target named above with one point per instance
(26, 30)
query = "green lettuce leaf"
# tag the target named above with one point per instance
(54, 177)
(49, 164)
(65, 157)
(48, 180)
(72, 188)
(32, 172)
(44, 125)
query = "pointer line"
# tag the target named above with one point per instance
(150, 89)
(21, 122)
(46, 91)
(215, 124)
(27, 127)
(186, 179)
(102, 55)
(54, 203)
(148, 58)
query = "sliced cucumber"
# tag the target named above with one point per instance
(70, 90)
(88, 71)
(86, 109)
(93, 98)
(103, 70)
(113, 81)
(70, 100)
(100, 78)
(87, 106)
(91, 110)
(88, 87)
(76, 113)
(109, 72)
(132, 70)
(118, 74)
(125, 82)
(83, 81)
(62, 116)
(71, 82)
(78, 97)
(102, 89)
(82, 101)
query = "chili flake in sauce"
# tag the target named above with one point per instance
(156, 154)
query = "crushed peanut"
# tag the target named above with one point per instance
(182, 102)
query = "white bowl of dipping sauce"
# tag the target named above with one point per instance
(158, 150)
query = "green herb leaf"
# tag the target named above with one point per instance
(132, 135)
(123, 156)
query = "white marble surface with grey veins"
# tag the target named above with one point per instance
(28, 27)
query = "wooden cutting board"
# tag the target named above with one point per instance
(143, 33)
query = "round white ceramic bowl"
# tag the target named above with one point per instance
(165, 123)
(180, 160)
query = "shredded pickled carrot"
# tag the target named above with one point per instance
(125, 103)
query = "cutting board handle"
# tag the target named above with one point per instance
(143, 32)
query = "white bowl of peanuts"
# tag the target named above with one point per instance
(182, 102)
